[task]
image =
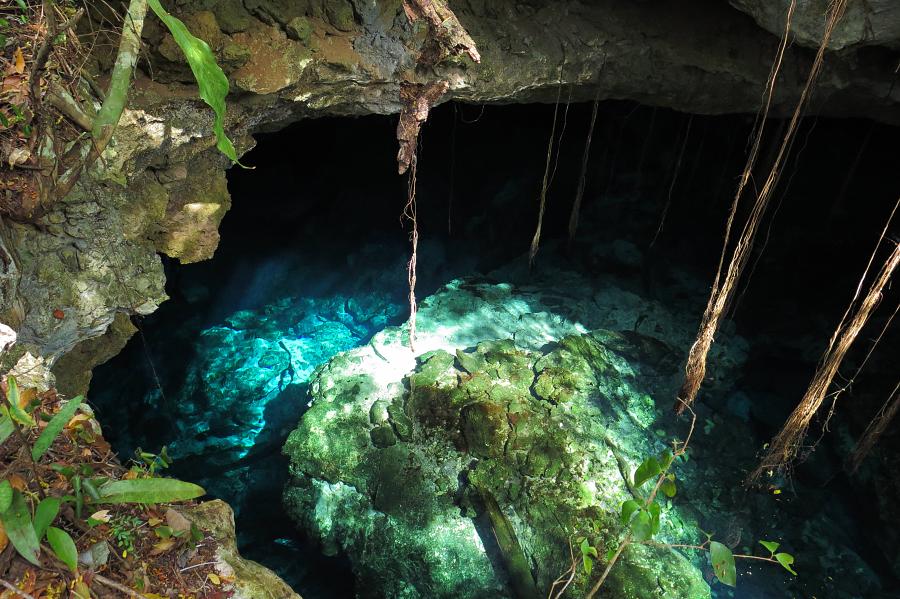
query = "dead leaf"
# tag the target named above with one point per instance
(101, 516)
(80, 590)
(17, 482)
(154, 521)
(77, 419)
(25, 395)
(162, 546)
(4, 540)
(19, 59)
(177, 521)
(213, 578)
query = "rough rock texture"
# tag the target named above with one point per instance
(868, 22)
(160, 189)
(409, 464)
(248, 579)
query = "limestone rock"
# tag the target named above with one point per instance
(873, 22)
(250, 580)
(404, 454)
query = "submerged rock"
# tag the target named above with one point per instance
(470, 475)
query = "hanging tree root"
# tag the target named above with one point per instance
(874, 431)
(723, 287)
(582, 178)
(785, 447)
(536, 240)
(446, 37)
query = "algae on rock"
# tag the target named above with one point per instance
(407, 478)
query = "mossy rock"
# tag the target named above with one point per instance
(427, 457)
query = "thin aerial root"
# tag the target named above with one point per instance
(536, 240)
(785, 447)
(582, 178)
(874, 431)
(723, 287)
(665, 212)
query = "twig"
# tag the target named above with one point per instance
(15, 590)
(119, 587)
(197, 566)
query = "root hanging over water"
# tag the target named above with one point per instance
(874, 431)
(724, 284)
(785, 447)
(545, 184)
(582, 178)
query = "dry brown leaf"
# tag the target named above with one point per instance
(19, 61)
(77, 419)
(162, 546)
(101, 516)
(177, 521)
(4, 540)
(25, 395)
(17, 482)
(154, 521)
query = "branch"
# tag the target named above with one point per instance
(116, 97)
(63, 101)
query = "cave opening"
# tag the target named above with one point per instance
(312, 262)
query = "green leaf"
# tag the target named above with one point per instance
(665, 459)
(164, 532)
(588, 564)
(772, 546)
(642, 527)
(668, 488)
(64, 547)
(646, 471)
(45, 514)
(212, 81)
(628, 508)
(722, 561)
(611, 553)
(54, 427)
(6, 427)
(149, 490)
(12, 396)
(653, 510)
(17, 522)
(6, 494)
(786, 559)
(22, 5)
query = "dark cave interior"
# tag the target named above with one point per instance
(320, 212)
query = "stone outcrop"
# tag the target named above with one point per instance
(160, 188)
(524, 436)
(866, 22)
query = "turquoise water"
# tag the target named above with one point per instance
(313, 263)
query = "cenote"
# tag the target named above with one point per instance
(312, 263)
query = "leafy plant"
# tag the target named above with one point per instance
(640, 518)
(25, 532)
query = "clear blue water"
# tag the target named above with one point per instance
(313, 262)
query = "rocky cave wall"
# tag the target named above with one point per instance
(161, 188)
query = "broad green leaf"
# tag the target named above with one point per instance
(45, 514)
(12, 397)
(63, 546)
(149, 490)
(665, 459)
(5, 495)
(6, 428)
(588, 564)
(212, 81)
(611, 553)
(786, 559)
(54, 427)
(628, 508)
(722, 561)
(653, 509)
(17, 522)
(668, 488)
(772, 546)
(646, 471)
(642, 527)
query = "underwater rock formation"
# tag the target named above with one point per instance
(412, 476)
